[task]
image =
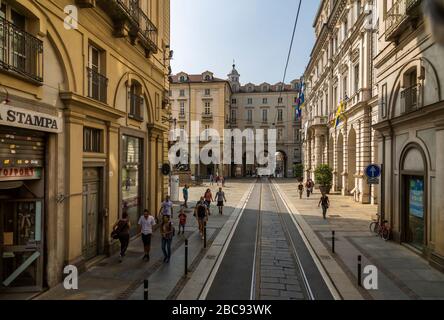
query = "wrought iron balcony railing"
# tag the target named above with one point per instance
(148, 32)
(207, 116)
(20, 52)
(411, 99)
(399, 16)
(97, 85)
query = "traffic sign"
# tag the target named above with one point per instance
(373, 180)
(373, 171)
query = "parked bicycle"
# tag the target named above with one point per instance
(382, 229)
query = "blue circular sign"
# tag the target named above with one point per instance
(373, 171)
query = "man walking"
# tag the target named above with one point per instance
(201, 213)
(166, 208)
(211, 179)
(308, 188)
(220, 198)
(300, 189)
(325, 203)
(146, 223)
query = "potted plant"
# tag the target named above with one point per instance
(298, 171)
(324, 178)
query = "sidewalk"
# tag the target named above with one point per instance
(402, 274)
(111, 280)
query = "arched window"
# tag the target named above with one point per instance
(136, 101)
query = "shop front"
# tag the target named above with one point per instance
(22, 197)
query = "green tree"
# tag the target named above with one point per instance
(324, 175)
(298, 171)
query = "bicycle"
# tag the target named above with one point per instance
(381, 229)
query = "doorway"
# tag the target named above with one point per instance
(414, 211)
(91, 222)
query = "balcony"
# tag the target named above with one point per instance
(20, 52)
(97, 85)
(207, 116)
(411, 99)
(147, 32)
(319, 121)
(399, 18)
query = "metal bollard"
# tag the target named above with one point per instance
(333, 241)
(186, 256)
(205, 236)
(145, 289)
(359, 270)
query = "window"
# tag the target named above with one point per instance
(345, 29)
(296, 136)
(136, 101)
(92, 140)
(233, 101)
(296, 154)
(207, 77)
(249, 116)
(265, 116)
(280, 100)
(344, 88)
(207, 134)
(384, 100)
(182, 79)
(249, 101)
(233, 116)
(264, 101)
(182, 93)
(280, 115)
(279, 134)
(97, 82)
(207, 92)
(182, 109)
(207, 108)
(356, 71)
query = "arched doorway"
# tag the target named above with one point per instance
(351, 160)
(281, 164)
(413, 198)
(340, 161)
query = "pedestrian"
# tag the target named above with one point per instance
(167, 232)
(301, 189)
(211, 179)
(208, 198)
(311, 186)
(146, 224)
(223, 181)
(307, 188)
(121, 231)
(220, 198)
(201, 213)
(166, 208)
(325, 203)
(182, 220)
(185, 195)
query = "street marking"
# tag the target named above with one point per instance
(209, 282)
(259, 224)
(330, 285)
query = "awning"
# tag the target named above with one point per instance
(7, 185)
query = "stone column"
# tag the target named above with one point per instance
(365, 146)
(438, 252)
(335, 162)
(345, 161)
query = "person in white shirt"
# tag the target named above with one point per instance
(220, 198)
(166, 209)
(146, 224)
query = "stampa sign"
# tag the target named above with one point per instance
(22, 118)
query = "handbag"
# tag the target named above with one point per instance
(115, 234)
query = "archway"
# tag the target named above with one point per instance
(340, 160)
(351, 160)
(281, 164)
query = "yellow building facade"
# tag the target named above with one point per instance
(83, 129)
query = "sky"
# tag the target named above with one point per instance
(209, 34)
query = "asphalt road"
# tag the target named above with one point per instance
(267, 258)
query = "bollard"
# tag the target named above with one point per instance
(145, 289)
(205, 236)
(333, 241)
(359, 270)
(186, 256)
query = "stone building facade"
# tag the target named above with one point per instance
(88, 82)
(340, 73)
(410, 126)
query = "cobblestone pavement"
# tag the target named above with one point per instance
(402, 274)
(279, 277)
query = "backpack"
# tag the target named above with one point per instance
(115, 234)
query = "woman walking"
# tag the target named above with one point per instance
(201, 213)
(208, 198)
(325, 203)
(167, 232)
(121, 231)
